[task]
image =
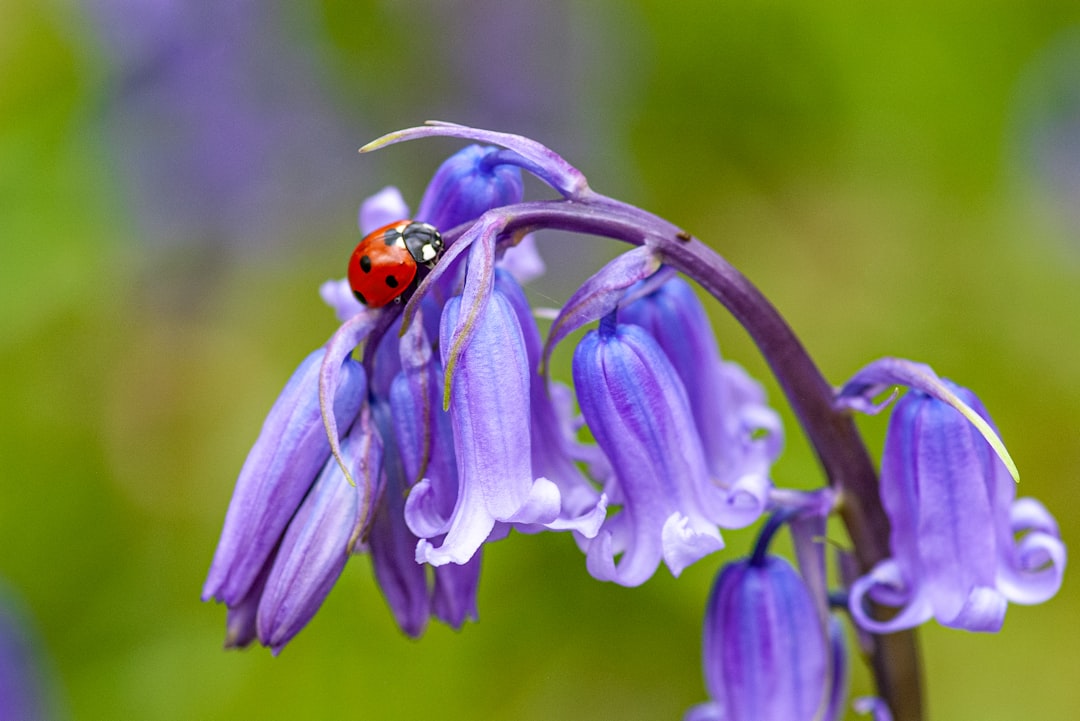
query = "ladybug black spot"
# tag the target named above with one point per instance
(365, 263)
(360, 297)
(391, 281)
(390, 238)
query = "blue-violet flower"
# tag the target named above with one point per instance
(637, 409)
(765, 651)
(950, 499)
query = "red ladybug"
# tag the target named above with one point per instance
(384, 264)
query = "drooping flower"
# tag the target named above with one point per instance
(283, 464)
(555, 450)
(490, 416)
(328, 526)
(740, 434)
(765, 652)
(637, 409)
(949, 494)
(470, 182)
(771, 648)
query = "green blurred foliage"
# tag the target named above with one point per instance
(855, 160)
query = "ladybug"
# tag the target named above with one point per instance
(384, 264)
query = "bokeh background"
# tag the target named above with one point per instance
(177, 178)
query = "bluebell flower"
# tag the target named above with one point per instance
(765, 652)
(740, 434)
(470, 182)
(283, 464)
(489, 411)
(554, 446)
(327, 527)
(961, 546)
(637, 409)
(477, 441)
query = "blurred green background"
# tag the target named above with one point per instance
(176, 181)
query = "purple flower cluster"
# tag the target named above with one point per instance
(425, 429)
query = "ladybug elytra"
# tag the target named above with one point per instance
(384, 264)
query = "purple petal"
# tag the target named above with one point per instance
(24, 688)
(469, 183)
(423, 510)
(983, 610)
(764, 650)
(872, 705)
(289, 453)
(1031, 569)
(392, 545)
(453, 597)
(383, 208)
(339, 296)
(338, 351)
(423, 431)
(382, 353)
(955, 519)
(885, 585)
(240, 620)
(684, 544)
(530, 155)
(320, 538)
(555, 450)
(899, 488)
(707, 711)
(839, 670)
(637, 410)
(489, 411)
(739, 503)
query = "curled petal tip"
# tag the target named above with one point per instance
(866, 405)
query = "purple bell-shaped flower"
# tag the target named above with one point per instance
(637, 409)
(765, 652)
(956, 554)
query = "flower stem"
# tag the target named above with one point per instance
(831, 431)
(761, 547)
